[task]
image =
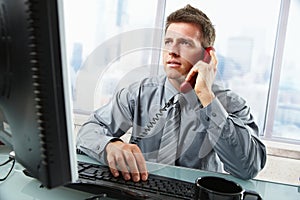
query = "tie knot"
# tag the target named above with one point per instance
(178, 100)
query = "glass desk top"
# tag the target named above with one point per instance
(19, 186)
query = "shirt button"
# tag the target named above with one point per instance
(213, 114)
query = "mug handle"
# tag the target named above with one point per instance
(251, 195)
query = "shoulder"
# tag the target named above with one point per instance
(145, 87)
(149, 83)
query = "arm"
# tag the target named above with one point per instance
(233, 134)
(99, 138)
(105, 124)
(230, 125)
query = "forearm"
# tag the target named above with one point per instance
(92, 140)
(107, 123)
(239, 149)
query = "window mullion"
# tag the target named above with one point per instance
(157, 37)
(276, 68)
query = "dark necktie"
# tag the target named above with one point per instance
(169, 140)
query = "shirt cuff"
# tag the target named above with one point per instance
(214, 115)
(96, 148)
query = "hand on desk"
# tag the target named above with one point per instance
(128, 159)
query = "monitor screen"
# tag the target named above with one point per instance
(35, 90)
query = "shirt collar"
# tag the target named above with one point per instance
(170, 90)
(190, 97)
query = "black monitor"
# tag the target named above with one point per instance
(35, 90)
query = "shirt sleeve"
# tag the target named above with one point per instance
(104, 125)
(233, 134)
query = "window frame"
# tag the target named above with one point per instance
(277, 62)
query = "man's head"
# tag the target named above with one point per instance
(188, 31)
(189, 14)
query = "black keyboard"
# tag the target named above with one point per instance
(97, 179)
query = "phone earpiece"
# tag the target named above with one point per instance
(207, 57)
(186, 86)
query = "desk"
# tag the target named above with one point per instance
(20, 187)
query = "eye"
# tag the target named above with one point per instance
(168, 42)
(185, 43)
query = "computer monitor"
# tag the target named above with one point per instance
(35, 90)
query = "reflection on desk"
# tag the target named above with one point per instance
(19, 186)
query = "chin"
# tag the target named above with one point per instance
(177, 78)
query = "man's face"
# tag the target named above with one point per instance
(182, 49)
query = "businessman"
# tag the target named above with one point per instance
(209, 127)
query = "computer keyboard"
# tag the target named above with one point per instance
(97, 179)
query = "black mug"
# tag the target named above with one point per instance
(216, 188)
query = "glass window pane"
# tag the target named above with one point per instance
(100, 40)
(245, 39)
(287, 120)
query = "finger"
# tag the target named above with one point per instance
(122, 166)
(214, 60)
(132, 165)
(193, 71)
(112, 166)
(141, 164)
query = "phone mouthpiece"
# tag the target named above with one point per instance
(185, 87)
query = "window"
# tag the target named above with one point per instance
(245, 41)
(104, 40)
(110, 44)
(286, 104)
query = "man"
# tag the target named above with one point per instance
(217, 131)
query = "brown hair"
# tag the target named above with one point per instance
(189, 14)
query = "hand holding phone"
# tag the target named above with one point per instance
(186, 86)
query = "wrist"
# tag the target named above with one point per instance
(113, 141)
(206, 97)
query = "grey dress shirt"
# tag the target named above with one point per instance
(221, 136)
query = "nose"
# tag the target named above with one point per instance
(173, 50)
(172, 53)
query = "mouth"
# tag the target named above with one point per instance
(173, 63)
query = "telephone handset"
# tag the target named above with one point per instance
(186, 86)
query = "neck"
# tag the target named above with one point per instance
(176, 83)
